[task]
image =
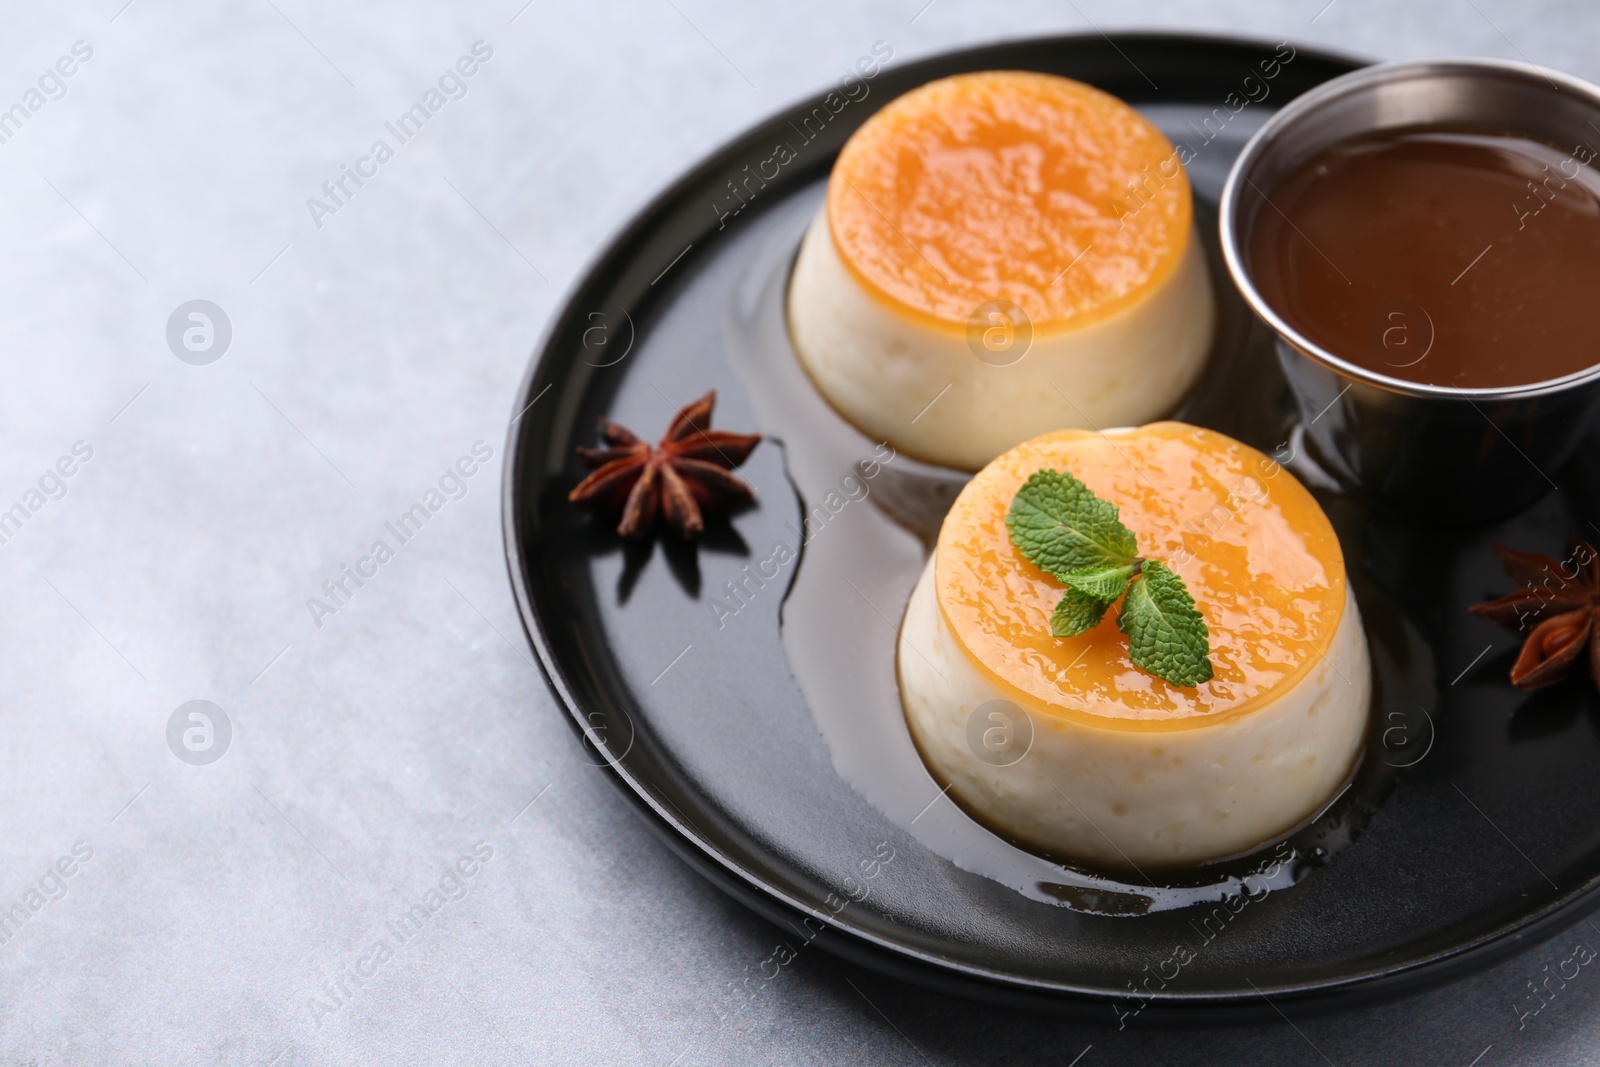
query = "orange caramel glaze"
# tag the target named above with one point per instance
(990, 186)
(1253, 547)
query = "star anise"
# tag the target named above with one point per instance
(1554, 611)
(679, 478)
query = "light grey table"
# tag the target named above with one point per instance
(392, 768)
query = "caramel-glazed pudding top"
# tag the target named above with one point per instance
(1255, 549)
(990, 186)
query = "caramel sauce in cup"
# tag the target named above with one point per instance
(1442, 257)
(1423, 238)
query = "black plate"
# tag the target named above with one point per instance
(1477, 808)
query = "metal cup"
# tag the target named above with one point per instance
(1459, 455)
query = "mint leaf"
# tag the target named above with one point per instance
(1061, 526)
(1166, 634)
(1103, 583)
(1077, 613)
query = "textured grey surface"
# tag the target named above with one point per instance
(222, 903)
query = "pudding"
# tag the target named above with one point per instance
(1002, 254)
(1111, 765)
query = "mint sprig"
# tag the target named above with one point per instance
(1062, 528)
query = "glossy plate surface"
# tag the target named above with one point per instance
(1472, 826)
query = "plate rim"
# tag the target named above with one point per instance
(839, 936)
